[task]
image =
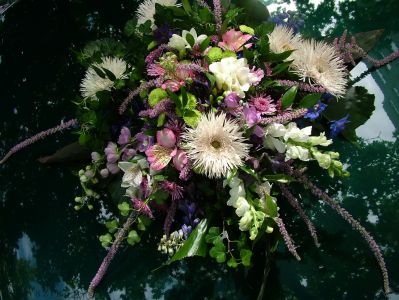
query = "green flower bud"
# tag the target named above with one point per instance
(247, 29)
(215, 54)
(156, 96)
(229, 53)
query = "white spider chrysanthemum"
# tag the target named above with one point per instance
(319, 63)
(216, 145)
(283, 39)
(93, 83)
(146, 10)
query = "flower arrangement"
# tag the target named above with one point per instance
(224, 114)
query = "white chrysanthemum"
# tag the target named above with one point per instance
(216, 145)
(93, 83)
(233, 75)
(283, 39)
(146, 10)
(319, 63)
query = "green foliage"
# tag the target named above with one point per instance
(289, 97)
(124, 208)
(105, 240)
(195, 244)
(309, 100)
(112, 226)
(133, 238)
(246, 255)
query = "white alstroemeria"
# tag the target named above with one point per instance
(180, 42)
(297, 135)
(272, 134)
(233, 75)
(297, 152)
(242, 206)
(320, 140)
(133, 173)
(246, 221)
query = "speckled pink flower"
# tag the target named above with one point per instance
(235, 41)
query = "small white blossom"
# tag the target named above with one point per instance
(180, 42)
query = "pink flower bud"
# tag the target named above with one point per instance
(166, 138)
(180, 160)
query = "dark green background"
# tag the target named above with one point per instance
(48, 251)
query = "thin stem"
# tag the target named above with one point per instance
(111, 254)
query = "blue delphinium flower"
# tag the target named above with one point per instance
(290, 19)
(336, 127)
(314, 112)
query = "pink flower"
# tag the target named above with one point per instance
(232, 100)
(142, 207)
(172, 85)
(180, 160)
(259, 74)
(155, 70)
(263, 104)
(166, 138)
(159, 157)
(124, 137)
(234, 40)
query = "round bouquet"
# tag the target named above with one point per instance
(206, 117)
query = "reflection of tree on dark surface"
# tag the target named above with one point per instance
(40, 77)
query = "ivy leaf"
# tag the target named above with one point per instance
(232, 263)
(213, 234)
(112, 226)
(124, 208)
(195, 244)
(105, 239)
(133, 237)
(309, 100)
(289, 97)
(246, 255)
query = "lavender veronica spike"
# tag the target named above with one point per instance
(346, 216)
(163, 106)
(156, 53)
(111, 254)
(285, 117)
(38, 137)
(287, 238)
(132, 94)
(295, 204)
(218, 15)
(170, 217)
(303, 86)
(192, 67)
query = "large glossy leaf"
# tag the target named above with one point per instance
(256, 11)
(70, 153)
(358, 104)
(195, 244)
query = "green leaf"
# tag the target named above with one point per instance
(281, 67)
(133, 237)
(109, 74)
(190, 39)
(192, 117)
(271, 207)
(275, 57)
(187, 6)
(130, 27)
(161, 120)
(124, 208)
(289, 97)
(232, 263)
(309, 100)
(205, 43)
(246, 255)
(112, 226)
(105, 239)
(211, 78)
(282, 178)
(255, 10)
(195, 244)
(98, 71)
(264, 29)
(213, 234)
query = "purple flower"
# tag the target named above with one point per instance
(144, 141)
(128, 154)
(314, 112)
(124, 137)
(232, 100)
(163, 34)
(251, 116)
(338, 126)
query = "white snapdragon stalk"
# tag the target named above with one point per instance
(180, 42)
(233, 75)
(273, 133)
